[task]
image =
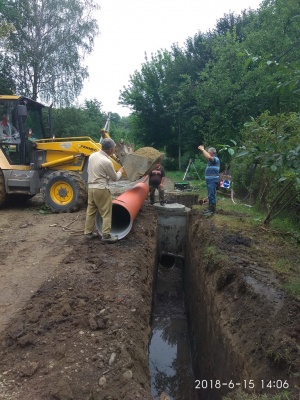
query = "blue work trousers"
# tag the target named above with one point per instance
(212, 191)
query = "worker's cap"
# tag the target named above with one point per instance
(107, 144)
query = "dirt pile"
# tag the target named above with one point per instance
(252, 326)
(75, 315)
(149, 152)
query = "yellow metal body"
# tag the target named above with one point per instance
(69, 153)
(4, 164)
(55, 167)
(60, 161)
(9, 97)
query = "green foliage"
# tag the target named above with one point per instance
(5, 28)
(87, 121)
(121, 129)
(197, 169)
(271, 168)
(206, 91)
(195, 184)
(174, 175)
(146, 95)
(226, 152)
(7, 85)
(71, 121)
(171, 164)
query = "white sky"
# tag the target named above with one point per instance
(131, 28)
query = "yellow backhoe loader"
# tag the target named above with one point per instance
(55, 167)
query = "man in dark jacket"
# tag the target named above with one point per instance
(156, 182)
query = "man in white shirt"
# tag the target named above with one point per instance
(4, 128)
(7, 130)
(100, 171)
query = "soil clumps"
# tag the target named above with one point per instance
(149, 152)
(75, 314)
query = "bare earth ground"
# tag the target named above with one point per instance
(74, 315)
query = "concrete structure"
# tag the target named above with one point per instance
(172, 221)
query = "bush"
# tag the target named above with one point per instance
(268, 168)
(170, 164)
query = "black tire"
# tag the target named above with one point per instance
(64, 191)
(3, 195)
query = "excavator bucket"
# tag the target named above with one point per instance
(136, 166)
(139, 163)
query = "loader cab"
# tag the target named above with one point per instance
(18, 115)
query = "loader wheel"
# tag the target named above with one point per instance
(64, 191)
(3, 195)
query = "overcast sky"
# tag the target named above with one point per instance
(131, 28)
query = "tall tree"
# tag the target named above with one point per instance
(7, 85)
(146, 97)
(48, 45)
(209, 89)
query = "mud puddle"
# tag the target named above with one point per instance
(169, 350)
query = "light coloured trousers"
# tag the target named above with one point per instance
(98, 200)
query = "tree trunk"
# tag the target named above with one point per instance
(275, 202)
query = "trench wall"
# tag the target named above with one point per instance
(216, 353)
(239, 327)
(186, 198)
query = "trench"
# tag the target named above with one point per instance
(188, 357)
(170, 360)
(170, 356)
(195, 351)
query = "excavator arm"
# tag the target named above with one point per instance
(136, 164)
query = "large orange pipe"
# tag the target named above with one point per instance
(124, 210)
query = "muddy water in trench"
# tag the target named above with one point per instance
(169, 350)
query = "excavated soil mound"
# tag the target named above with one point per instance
(149, 152)
(75, 314)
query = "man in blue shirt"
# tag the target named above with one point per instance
(212, 177)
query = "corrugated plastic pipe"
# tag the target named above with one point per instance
(124, 210)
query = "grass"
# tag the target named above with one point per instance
(213, 257)
(235, 205)
(177, 176)
(287, 225)
(241, 216)
(282, 266)
(279, 232)
(293, 286)
(240, 395)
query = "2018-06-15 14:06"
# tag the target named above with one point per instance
(245, 384)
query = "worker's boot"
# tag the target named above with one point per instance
(210, 210)
(109, 238)
(92, 235)
(207, 209)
